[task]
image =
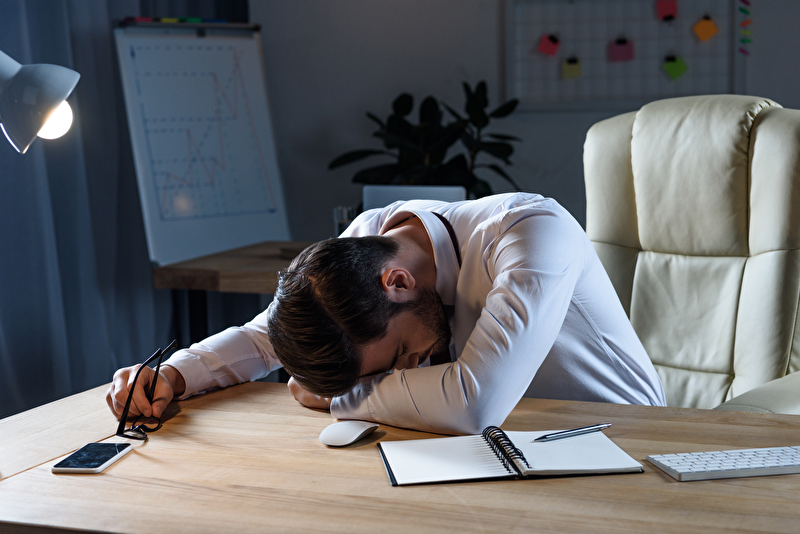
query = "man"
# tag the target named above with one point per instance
(506, 291)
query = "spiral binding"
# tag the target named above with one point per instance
(504, 448)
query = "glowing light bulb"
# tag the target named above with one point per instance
(58, 123)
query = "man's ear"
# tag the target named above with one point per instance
(398, 284)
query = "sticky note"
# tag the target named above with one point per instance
(571, 68)
(705, 29)
(548, 45)
(666, 9)
(620, 50)
(675, 67)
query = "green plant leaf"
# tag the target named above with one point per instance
(398, 133)
(447, 136)
(429, 112)
(503, 137)
(499, 150)
(376, 119)
(380, 174)
(477, 116)
(403, 104)
(469, 141)
(352, 156)
(505, 110)
(453, 112)
(481, 98)
(476, 104)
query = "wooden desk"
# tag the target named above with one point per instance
(250, 269)
(247, 459)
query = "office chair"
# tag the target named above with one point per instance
(693, 205)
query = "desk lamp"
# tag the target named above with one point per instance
(33, 101)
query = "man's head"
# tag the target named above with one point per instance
(332, 305)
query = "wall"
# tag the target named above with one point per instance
(330, 61)
(771, 69)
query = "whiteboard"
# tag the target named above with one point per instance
(587, 30)
(201, 133)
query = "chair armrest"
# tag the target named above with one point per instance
(778, 396)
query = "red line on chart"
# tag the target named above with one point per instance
(192, 147)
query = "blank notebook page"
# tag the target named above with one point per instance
(442, 459)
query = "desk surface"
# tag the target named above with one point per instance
(251, 269)
(247, 458)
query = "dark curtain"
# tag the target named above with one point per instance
(76, 297)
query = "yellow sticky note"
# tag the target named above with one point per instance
(705, 29)
(571, 68)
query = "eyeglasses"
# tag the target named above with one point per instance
(142, 425)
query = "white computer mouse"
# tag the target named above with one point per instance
(344, 433)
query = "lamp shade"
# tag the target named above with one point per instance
(28, 95)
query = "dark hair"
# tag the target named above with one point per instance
(328, 303)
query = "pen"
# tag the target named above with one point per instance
(572, 433)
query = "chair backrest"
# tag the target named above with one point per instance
(693, 205)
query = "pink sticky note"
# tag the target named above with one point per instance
(548, 45)
(620, 50)
(666, 9)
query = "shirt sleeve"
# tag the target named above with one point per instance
(533, 266)
(233, 356)
(242, 354)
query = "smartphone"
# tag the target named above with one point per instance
(92, 458)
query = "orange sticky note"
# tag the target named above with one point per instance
(705, 29)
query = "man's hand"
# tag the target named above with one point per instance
(170, 384)
(306, 398)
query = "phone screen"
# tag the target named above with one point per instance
(92, 458)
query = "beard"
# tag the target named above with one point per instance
(429, 309)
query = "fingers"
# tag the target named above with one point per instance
(117, 394)
(139, 403)
(163, 395)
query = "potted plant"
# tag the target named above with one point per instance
(419, 150)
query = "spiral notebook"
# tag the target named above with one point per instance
(498, 454)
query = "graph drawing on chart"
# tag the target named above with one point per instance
(204, 145)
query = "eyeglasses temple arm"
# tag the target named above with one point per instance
(124, 416)
(152, 391)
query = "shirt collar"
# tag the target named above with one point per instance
(444, 253)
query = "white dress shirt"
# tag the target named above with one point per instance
(534, 314)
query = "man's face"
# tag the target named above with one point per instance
(411, 337)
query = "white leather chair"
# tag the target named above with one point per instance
(693, 205)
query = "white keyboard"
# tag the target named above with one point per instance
(729, 464)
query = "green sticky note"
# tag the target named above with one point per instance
(675, 67)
